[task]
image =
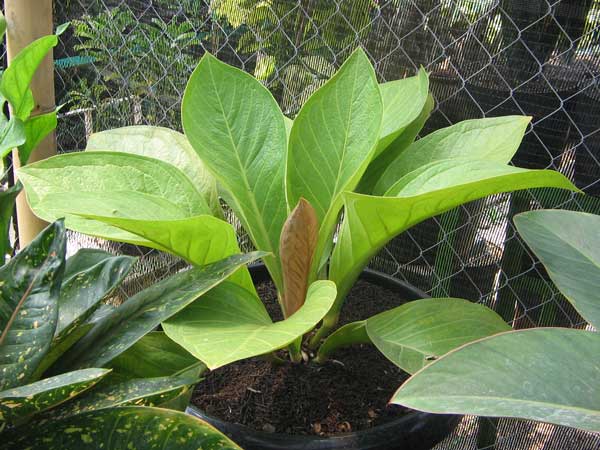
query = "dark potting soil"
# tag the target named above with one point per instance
(348, 393)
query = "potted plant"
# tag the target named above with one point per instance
(350, 152)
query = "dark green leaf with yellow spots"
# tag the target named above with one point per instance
(139, 392)
(90, 275)
(126, 428)
(24, 401)
(143, 312)
(29, 290)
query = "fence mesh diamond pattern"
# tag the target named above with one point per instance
(126, 62)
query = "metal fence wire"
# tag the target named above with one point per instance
(127, 62)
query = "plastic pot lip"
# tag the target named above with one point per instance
(376, 437)
(408, 423)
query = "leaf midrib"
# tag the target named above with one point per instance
(22, 301)
(251, 196)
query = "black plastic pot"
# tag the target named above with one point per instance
(414, 431)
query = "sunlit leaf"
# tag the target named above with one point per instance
(238, 130)
(226, 326)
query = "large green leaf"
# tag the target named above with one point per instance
(137, 316)
(370, 222)
(17, 77)
(545, 374)
(36, 129)
(226, 325)
(568, 245)
(90, 275)
(420, 331)
(154, 355)
(164, 144)
(109, 184)
(12, 134)
(29, 290)
(380, 164)
(147, 391)
(403, 101)
(199, 240)
(495, 139)
(7, 205)
(126, 428)
(237, 128)
(23, 401)
(332, 141)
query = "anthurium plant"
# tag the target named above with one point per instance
(57, 339)
(350, 153)
(542, 373)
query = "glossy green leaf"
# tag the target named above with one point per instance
(380, 164)
(12, 135)
(109, 184)
(568, 245)
(23, 401)
(332, 141)
(126, 428)
(161, 143)
(403, 101)
(59, 346)
(28, 305)
(17, 77)
(90, 275)
(147, 391)
(370, 222)
(7, 206)
(237, 128)
(545, 374)
(199, 240)
(154, 355)
(421, 331)
(226, 325)
(143, 312)
(496, 139)
(36, 130)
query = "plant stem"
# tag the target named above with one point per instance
(273, 359)
(295, 349)
(323, 331)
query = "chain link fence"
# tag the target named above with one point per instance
(127, 62)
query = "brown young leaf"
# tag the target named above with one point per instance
(296, 248)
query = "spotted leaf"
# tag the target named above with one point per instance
(23, 401)
(132, 427)
(29, 290)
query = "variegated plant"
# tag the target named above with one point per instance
(351, 150)
(57, 338)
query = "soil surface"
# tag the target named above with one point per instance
(348, 393)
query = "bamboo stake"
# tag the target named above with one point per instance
(28, 20)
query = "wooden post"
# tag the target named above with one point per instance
(28, 20)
